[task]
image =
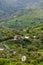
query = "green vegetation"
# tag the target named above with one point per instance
(30, 45)
(22, 36)
(28, 19)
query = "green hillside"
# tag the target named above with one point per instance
(7, 33)
(28, 19)
(32, 47)
(22, 36)
(21, 32)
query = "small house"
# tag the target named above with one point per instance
(23, 58)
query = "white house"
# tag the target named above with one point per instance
(34, 37)
(1, 49)
(23, 58)
(24, 37)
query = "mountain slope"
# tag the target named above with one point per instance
(13, 7)
(28, 19)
